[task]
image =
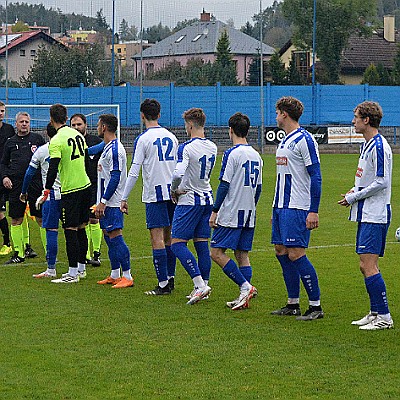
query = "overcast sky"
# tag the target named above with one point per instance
(168, 12)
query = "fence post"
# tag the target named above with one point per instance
(171, 104)
(128, 102)
(366, 91)
(268, 100)
(81, 96)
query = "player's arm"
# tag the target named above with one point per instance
(5, 162)
(222, 192)
(29, 174)
(378, 184)
(314, 170)
(50, 179)
(115, 177)
(96, 149)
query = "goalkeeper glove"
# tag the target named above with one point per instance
(41, 199)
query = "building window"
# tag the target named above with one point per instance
(149, 68)
(33, 53)
(119, 50)
(180, 38)
(22, 53)
(197, 37)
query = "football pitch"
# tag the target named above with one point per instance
(86, 341)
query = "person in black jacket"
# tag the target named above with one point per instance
(6, 131)
(93, 230)
(17, 154)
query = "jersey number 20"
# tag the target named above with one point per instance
(78, 145)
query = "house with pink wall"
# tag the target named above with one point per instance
(199, 40)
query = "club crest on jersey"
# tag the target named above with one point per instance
(359, 172)
(281, 161)
(33, 148)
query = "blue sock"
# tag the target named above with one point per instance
(232, 271)
(376, 289)
(187, 259)
(160, 264)
(51, 248)
(171, 261)
(291, 276)
(247, 272)
(111, 253)
(204, 258)
(308, 276)
(122, 252)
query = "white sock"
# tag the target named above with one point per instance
(115, 273)
(315, 303)
(81, 267)
(245, 287)
(293, 301)
(386, 317)
(72, 272)
(198, 282)
(163, 284)
(127, 274)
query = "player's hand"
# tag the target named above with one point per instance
(100, 209)
(41, 199)
(175, 195)
(344, 202)
(23, 197)
(124, 207)
(312, 220)
(213, 220)
(7, 183)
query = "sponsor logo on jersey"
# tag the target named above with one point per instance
(33, 148)
(359, 172)
(281, 161)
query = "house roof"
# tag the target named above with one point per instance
(363, 51)
(14, 40)
(202, 38)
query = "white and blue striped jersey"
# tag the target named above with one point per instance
(375, 163)
(155, 151)
(242, 169)
(293, 183)
(113, 158)
(40, 159)
(196, 159)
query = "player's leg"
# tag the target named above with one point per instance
(171, 258)
(370, 246)
(6, 249)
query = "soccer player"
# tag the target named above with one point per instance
(93, 230)
(233, 214)
(155, 152)
(51, 208)
(6, 131)
(295, 209)
(111, 179)
(370, 208)
(67, 155)
(17, 155)
(192, 192)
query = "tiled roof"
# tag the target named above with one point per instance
(16, 39)
(363, 51)
(202, 38)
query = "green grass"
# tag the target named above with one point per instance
(89, 342)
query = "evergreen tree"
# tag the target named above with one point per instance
(371, 75)
(277, 70)
(396, 68)
(293, 76)
(384, 75)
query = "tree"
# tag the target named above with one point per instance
(60, 67)
(127, 32)
(371, 75)
(224, 68)
(183, 24)
(293, 76)
(101, 22)
(277, 70)
(156, 33)
(19, 26)
(336, 21)
(396, 67)
(384, 75)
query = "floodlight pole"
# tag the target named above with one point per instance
(261, 79)
(6, 71)
(314, 42)
(141, 62)
(112, 52)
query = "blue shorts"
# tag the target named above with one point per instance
(159, 214)
(371, 238)
(191, 222)
(113, 219)
(289, 227)
(232, 238)
(51, 213)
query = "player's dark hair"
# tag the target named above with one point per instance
(50, 130)
(196, 116)
(110, 121)
(372, 110)
(79, 115)
(58, 113)
(240, 124)
(2, 104)
(151, 109)
(292, 106)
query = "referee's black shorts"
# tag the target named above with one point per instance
(75, 208)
